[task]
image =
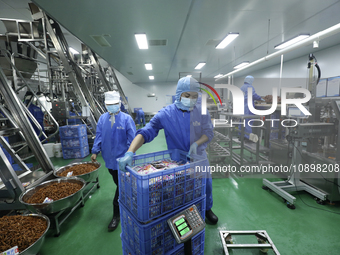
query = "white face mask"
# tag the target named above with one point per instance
(188, 102)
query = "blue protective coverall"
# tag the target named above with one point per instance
(248, 81)
(182, 128)
(113, 142)
(140, 115)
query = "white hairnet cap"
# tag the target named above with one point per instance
(112, 97)
(249, 79)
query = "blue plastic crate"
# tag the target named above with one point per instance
(74, 142)
(155, 194)
(197, 247)
(154, 237)
(76, 152)
(71, 131)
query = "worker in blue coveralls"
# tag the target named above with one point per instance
(248, 83)
(185, 129)
(140, 117)
(115, 132)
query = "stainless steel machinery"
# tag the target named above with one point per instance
(311, 150)
(35, 57)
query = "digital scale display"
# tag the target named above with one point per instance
(182, 226)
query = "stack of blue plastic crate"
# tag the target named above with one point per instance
(74, 141)
(148, 201)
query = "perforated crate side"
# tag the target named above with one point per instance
(154, 236)
(74, 142)
(155, 194)
(70, 131)
(76, 152)
(197, 246)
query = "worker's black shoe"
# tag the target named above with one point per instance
(114, 223)
(211, 217)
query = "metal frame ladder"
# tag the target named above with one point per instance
(21, 124)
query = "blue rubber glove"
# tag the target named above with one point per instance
(193, 149)
(126, 160)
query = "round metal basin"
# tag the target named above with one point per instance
(88, 177)
(55, 206)
(36, 246)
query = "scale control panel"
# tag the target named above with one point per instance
(186, 224)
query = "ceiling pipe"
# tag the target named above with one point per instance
(318, 36)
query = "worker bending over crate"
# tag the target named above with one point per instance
(185, 129)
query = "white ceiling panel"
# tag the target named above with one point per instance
(16, 4)
(191, 29)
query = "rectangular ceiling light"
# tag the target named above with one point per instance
(200, 65)
(291, 41)
(244, 63)
(151, 77)
(148, 66)
(142, 41)
(228, 39)
(73, 50)
(218, 76)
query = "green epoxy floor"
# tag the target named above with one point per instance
(240, 204)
